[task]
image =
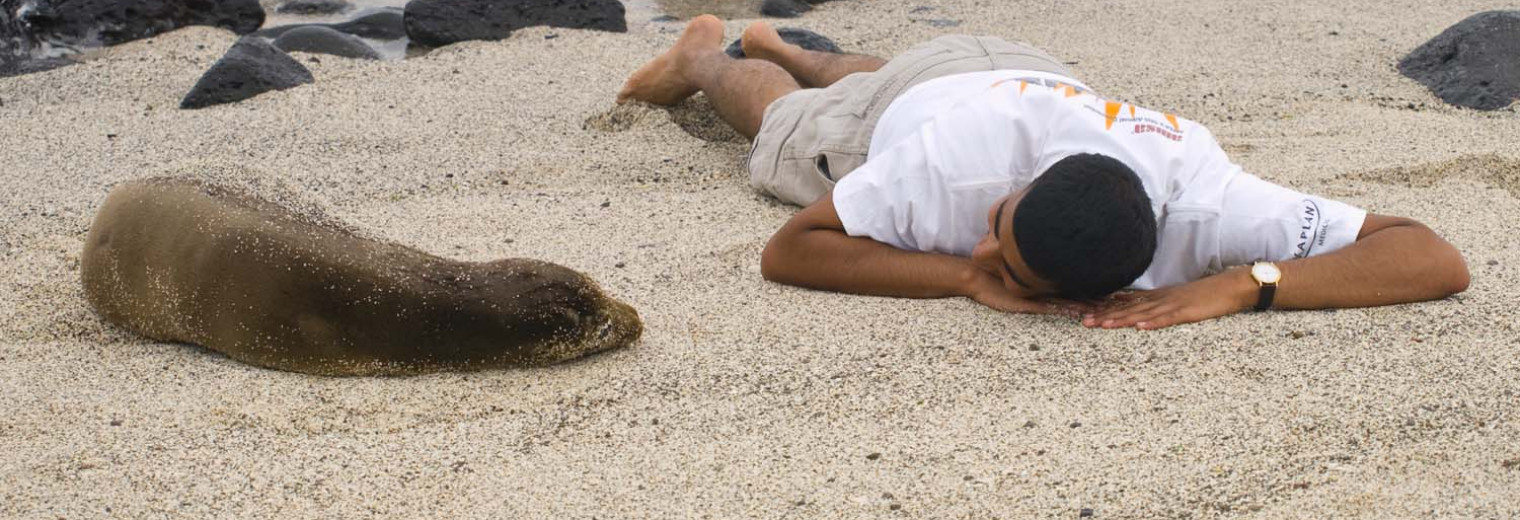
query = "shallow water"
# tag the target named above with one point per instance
(685, 9)
(639, 11)
(274, 19)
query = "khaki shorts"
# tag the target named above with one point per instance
(811, 138)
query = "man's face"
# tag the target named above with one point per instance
(998, 254)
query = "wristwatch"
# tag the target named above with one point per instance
(1266, 275)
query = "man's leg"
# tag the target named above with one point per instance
(738, 89)
(811, 68)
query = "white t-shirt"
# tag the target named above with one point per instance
(946, 149)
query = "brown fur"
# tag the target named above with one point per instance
(181, 260)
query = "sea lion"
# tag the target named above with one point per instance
(198, 262)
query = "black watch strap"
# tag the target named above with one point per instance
(1264, 298)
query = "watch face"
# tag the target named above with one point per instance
(1265, 273)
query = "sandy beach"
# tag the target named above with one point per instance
(748, 399)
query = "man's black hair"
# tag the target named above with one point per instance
(1086, 226)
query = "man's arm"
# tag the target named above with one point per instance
(1394, 260)
(812, 250)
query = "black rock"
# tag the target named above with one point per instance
(28, 66)
(436, 23)
(311, 7)
(16, 41)
(800, 37)
(324, 40)
(784, 8)
(1474, 64)
(251, 67)
(280, 30)
(787, 8)
(27, 24)
(381, 24)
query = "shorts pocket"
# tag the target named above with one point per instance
(831, 166)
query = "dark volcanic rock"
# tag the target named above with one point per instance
(26, 24)
(323, 40)
(28, 66)
(441, 22)
(16, 39)
(800, 37)
(784, 8)
(314, 7)
(280, 30)
(382, 24)
(251, 67)
(1474, 64)
(787, 8)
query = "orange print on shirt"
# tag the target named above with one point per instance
(1110, 109)
(1111, 112)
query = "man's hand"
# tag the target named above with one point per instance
(1223, 294)
(1394, 260)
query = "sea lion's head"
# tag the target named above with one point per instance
(549, 312)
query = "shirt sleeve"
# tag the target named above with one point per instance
(1260, 221)
(876, 200)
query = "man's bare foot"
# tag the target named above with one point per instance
(663, 81)
(762, 42)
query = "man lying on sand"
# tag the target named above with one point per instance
(981, 168)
